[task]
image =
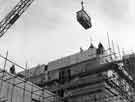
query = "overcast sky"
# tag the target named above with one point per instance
(48, 29)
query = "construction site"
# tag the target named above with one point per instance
(97, 74)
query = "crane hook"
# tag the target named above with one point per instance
(82, 4)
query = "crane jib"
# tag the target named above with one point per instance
(13, 20)
(14, 15)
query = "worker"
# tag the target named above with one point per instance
(46, 72)
(12, 69)
(81, 49)
(91, 46)
(100, 49)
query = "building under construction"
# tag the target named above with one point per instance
(92, 75)
(13, 88)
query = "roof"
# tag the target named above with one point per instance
(37, 70)
(62, 62)
(72, 59)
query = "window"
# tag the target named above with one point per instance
(64, 75)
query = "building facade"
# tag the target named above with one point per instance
(87, 76)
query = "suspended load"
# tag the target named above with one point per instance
(83, 18)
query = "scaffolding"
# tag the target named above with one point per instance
(117, 88)
(16, 89)
(121, 81)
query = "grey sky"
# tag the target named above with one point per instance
(48, 29)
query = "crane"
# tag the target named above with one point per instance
(13, 15)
